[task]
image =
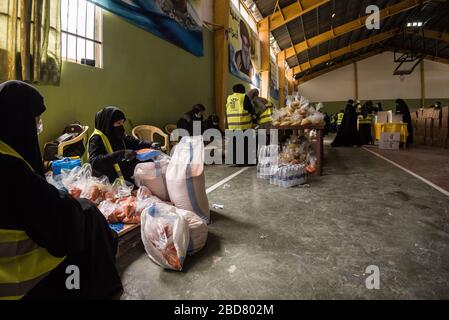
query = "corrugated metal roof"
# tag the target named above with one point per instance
(434, 13)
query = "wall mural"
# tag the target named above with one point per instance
(244, 49)
(176, 21)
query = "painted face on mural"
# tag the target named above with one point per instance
(246, 52)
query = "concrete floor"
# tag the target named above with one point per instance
(312, 243)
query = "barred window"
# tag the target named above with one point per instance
(81, 37)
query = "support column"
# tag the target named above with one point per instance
(281, 65)
(221, 18)
(356, 81)
(423, 85)
(264, 36)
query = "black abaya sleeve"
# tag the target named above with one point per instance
(51, 218)
(136, 144)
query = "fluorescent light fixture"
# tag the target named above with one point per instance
(415, 24)
(409, 24)
(419, 24)
(333, 15)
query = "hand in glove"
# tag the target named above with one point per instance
(129, 155)
(156, 146)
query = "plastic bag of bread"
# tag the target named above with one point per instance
(165, 235)
(96, 190)
(317, 118)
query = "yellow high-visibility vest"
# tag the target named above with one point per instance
(367, 120)
(340, 118)
(23, 264)
(238, 117)
(109, 150)
(265, 117)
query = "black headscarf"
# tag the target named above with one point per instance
(402, 108)
(104, 121)
(347, 134)
(20, 104)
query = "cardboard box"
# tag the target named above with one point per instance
(428, 113)
(445, 112)
(429, 128)
(384, 116)
(389, 140)
(436, 113)
(422, 127)
(445, 122)
(440, 143)
(420, 113)
(419, 139)
(396, 118)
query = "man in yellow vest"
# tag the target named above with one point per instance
(239, 112)
(45, 232)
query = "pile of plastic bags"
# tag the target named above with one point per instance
(289, 166)
(170, 204)
(170, 234)
(298, 112)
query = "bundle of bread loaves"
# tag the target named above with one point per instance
(298, 112)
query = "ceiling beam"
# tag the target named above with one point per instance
(349, 27)
(293, 11)
(426, 56)
(342, 51)
(337, 66)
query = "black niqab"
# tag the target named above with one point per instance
(104, 121)
(20, 104)
(347, 135)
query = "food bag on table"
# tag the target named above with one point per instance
(147, 154)
(185, 177)
(165, 235)
(153, 176)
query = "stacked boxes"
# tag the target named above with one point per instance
(431, 127)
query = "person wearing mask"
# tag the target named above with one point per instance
(112, 153)
(44, 230)
(402, 109)
(239, 111)
(187, 120)
(212, 122)
(347, 135)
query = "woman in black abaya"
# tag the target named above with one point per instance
(347, 135)
(52, 219)
(110, 122)
(402, 109)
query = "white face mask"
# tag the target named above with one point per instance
(40, 127)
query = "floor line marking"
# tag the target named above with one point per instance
(445, 192)
(222, 182)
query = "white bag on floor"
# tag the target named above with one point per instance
(165, 235)
(185, 177)
(197, 230)
(152, 176)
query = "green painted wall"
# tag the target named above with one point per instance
(414, 104)
(151, 80)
